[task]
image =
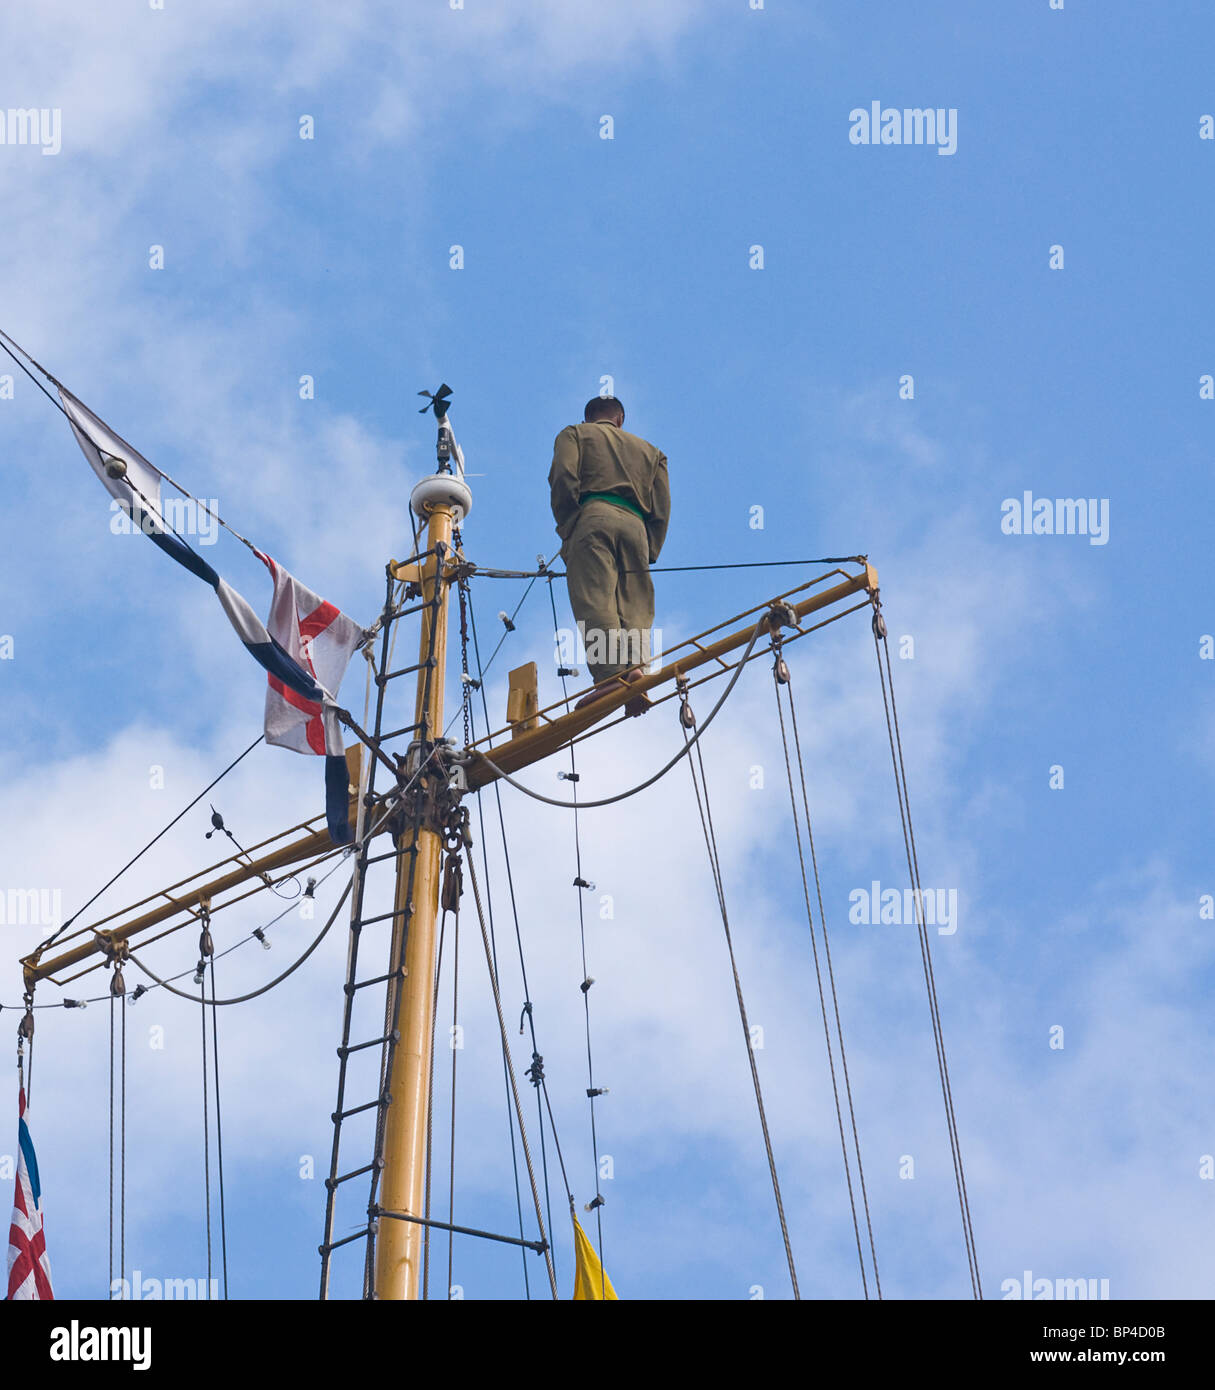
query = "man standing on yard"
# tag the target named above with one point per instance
(612, 502)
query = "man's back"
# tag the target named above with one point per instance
(598, 457)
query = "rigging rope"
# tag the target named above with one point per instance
(881, 645)
(57, 404)
(253, 994)
(430, 1110)
(706, 825)
(219, 1131)
(510, 627)
(118, 1001)
(591, 1090)
(531, 1171)
(689, 744)
(172, 482)
(343, 852)
(455, 1015)
(50, 941)
(202, 990)
(528, 1013)
(780, 676)
(110, 1285)
(546, 573)
(122, 1146)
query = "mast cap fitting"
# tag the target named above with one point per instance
(441, 490)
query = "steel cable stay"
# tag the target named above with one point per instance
(546, 573)
(510, 625)
(900, 778)
(535, 1073)
(781, 677)
(687, 721)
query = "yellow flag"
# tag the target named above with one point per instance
(590, 1280)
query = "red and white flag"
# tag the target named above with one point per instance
(29, 1267)
(320, 639)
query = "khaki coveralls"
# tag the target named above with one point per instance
(612, 503)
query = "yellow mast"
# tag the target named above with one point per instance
(398, 1250)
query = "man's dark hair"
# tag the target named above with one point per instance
(603, 408)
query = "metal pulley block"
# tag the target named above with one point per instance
(453, 883)
(686, 717)
(879, 623)
(780, 669)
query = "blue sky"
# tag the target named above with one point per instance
(777, 388)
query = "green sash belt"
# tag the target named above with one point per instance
(615, 500)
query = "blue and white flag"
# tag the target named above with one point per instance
(308, 645)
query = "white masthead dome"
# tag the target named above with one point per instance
(441, 490)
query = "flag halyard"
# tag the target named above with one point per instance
(304, 648)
